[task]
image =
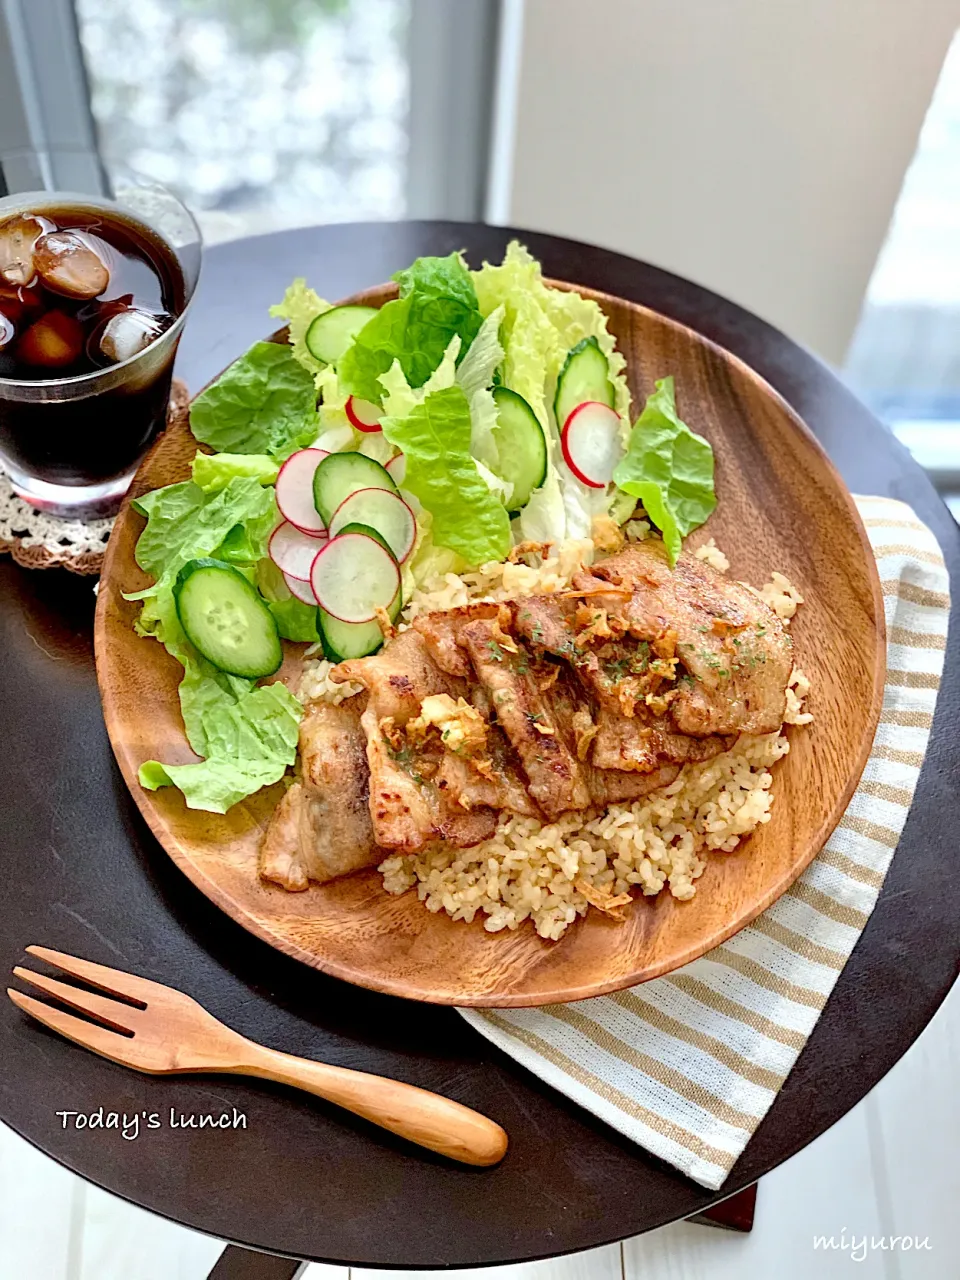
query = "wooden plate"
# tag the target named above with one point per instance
(781, 506)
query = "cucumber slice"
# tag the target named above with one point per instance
(585, 376)
(356, 527)
(353, 576)
(521, 445)
(341, 474)
(331, 333)
(226, 620)
(342, 640)
(383, 511)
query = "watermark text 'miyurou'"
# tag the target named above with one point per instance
(858, 1246)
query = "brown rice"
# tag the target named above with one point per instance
(530, 870)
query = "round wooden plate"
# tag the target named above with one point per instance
(781, 506)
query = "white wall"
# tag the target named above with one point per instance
(756, 146)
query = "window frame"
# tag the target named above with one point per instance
(452, 50)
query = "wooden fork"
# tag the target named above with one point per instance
(169, 1033)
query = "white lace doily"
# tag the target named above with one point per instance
(39, 541)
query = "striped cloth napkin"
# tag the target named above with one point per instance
(687, 1065)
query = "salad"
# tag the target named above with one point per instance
(377, 450)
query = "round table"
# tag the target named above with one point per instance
(84, 875)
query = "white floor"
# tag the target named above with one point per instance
(887, 1170)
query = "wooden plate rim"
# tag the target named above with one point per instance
(262, 929)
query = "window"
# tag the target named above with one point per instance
(261, 114)
(905, 356)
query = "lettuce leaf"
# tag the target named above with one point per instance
(300, 307)
(264, 403)
(475, 377)
(332, 408)
(669, 468)
(400, 398)
(528, 336)
(250, 740)
(437, 300)
(540, 327)
(213, 471)
(247, 733)
(429, 563)
(295, 620)
(544, 518)
(247, 542)
(446, 277)
(183, 522)
(435, 437)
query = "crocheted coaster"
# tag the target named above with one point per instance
(39, 541)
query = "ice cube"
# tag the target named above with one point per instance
(21, 305)
(128, 333)
(68, 265)
(18, 238)
(54, 341)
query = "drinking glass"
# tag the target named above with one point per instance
(71, 445)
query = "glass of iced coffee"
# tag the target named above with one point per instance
(94, 293)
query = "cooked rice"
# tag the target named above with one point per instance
(636, 530)
(712, 554)
(782, 596)
(798, 687)
(528, 870)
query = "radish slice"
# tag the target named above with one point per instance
(293, 551)
(364, 415)
(398, 468)
(302, 590)
(353, 576)
(383, 511)
(295, 491)
(590, 441)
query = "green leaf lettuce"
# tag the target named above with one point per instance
(247, 733)
(437, 300)
(300, 307)
(669, 468)
(249, 739)
(540, 326)
(213, 471)
(264, 403)
(441, 472)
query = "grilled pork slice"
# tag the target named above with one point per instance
(617, 672)
(509, 677)
(731, 643)
(321, 828)
(408, 807)
(570, 711)
(442, 633)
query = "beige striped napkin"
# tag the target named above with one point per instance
(687, 1065)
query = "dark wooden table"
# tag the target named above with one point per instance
(83, 874)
